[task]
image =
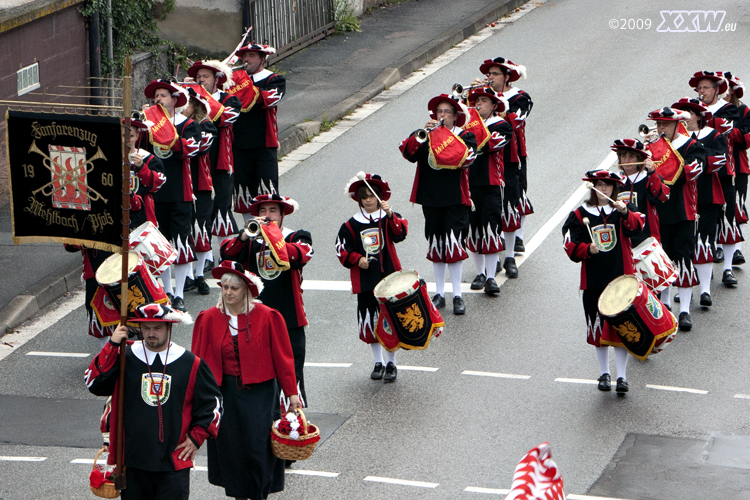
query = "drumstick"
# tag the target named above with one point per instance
(586, 223)
(591, 186)
(361, 176)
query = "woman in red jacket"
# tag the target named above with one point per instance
(246, 345)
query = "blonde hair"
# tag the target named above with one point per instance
(233, 279)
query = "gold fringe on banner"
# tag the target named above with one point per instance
(25, 240)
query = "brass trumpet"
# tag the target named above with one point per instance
(644, 130)
(253, 226)
(421, 134)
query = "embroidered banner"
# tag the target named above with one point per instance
(65, 177)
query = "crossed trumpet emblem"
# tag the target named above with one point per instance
(74, 176)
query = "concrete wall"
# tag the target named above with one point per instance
(58, 42)
(207, 27)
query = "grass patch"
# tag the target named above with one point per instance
(346, 21)
(326, 124)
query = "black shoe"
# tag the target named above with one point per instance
(178, 304)
(604, 383)
(719, 255)
(378, 371)
(287, 463)
(706, 300)
(189, 284)
(458, 305)
(203, 288)
(391, 372)
(685, 324)
(438, 301)
(170, 297)
(478, 282)
(622, 386)
(728, 278)
(206, 269)
(518, 247)
(511, 271)
(498, 267)
(676, 298)
(491, 287)
(738, 259)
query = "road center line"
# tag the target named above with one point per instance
(88, 461)
(742, 396)
(59, 354)
(403, 482)
(319, 473)
(676, 389)
(328, 365)
(5, 458)
(497, 375)
(576, 381)
(418, 368)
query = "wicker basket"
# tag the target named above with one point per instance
(289, 449)
(106, 490)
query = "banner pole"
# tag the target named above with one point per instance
(119, 479)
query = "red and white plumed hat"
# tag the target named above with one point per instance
(160, 313)
(604, 175)
(695, 105)
(497, 98)
(515, 71)
(221, 70)
(461, 111)
(633, 145)
(668, 115)
(352, 187)
(201, 100)
(171, 87)
(266, 50)
(708, 75)
(737, 86)
(254, 284)
(287, 204)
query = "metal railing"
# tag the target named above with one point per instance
(290, 25)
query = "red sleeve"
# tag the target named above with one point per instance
(233, 247)
(658, 189)
(397, 225)
(410, 147)
(634, 221)
(281, 353)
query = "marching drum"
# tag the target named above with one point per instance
(408, 319)
(153, 247)
(654, 265)
(645, 326)
(142, 288)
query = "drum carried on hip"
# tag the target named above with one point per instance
(408, 319)
(148, 242)
(142, 288)
(654, 265)
(643, 324)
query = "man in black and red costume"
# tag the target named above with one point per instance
(174, 139)
(277, 255)
(677, 215)
(256, 134)
(441, 185)
(172, 404)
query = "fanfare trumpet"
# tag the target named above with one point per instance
(252, 226)
(422, 133)
(644, 130)
(458, 91)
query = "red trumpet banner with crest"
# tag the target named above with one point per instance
(447, 150)
(65, 178)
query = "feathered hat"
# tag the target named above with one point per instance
(221, 70)
(160, 313)
(516, 71)
(604, 175)
(352, 187)
(287, 204)
(252, 281)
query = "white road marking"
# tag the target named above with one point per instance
(59, 354)
(418, 368)
(576, 380)
(497, 375)
(319, 473)
(742, 396)
(89, 461)
(494, 491)
(676, 389)
(5, 458)
(329, 365)
(403, 482)
(200, 468)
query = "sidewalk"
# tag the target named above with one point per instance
(324, 81)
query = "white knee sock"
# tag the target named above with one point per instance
(166, 279)
(686, 294)
(438, 268)
(704, 275)
(479, 259)
(519, 232)
(621, 361)
(200, 262)
(390, 357)
(728, 255)
(377, 352)
(666, 298)
(510, 243)
(190, 270)
(180, 273)
(490, 264)
(455, 270)
(603, 354)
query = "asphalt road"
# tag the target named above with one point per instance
(446, 429)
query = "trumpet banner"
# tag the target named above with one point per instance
(65, 178)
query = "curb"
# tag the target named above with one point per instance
(43, 293)
(297, 135)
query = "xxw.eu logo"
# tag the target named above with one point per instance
(678, 21)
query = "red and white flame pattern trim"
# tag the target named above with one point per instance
(222, 224)
(201, 237)
(367, 327)
(484, 241)
(185, 250)
(537, 477)
(524, 205)
(686, 275)
(243, 198)
(511, 219)
(446, 248)
(729, 233)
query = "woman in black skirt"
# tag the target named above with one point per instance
(247, 347)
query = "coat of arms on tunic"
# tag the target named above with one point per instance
(267, 267)
(371, 240)
(628, 197)
(155, 388)
(605, 237)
